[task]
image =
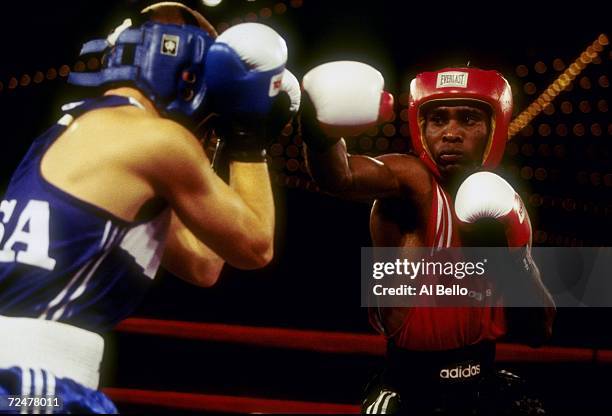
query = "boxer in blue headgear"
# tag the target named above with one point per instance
(118, 188)
(164, 60)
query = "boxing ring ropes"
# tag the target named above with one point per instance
(304, 340)
(320, 341)
(334, 342)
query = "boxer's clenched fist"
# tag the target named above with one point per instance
(342, 99)
(487, 195)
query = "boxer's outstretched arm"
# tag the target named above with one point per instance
(364, 178)
(342, 99)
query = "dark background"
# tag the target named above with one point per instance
(563, 173)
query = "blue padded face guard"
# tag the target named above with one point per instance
(165, 61)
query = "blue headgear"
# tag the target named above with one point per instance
(165, 61)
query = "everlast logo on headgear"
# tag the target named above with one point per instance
(460, 372)
(169, 45)
(452, 79)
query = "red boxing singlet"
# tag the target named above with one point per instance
(444, 328)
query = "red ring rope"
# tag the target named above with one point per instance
(307, 340)
(337, 342)
(224, 404)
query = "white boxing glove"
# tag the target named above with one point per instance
(348, 97)
(487, 195)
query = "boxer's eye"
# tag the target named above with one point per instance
(471, 118)
(436, 119)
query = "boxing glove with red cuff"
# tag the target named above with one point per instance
(487, 195)
(342, 99)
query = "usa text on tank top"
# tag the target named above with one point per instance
(64, 259)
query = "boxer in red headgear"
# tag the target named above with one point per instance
(459, 120)
(475, 88)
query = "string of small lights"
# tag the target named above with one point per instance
(561, 83)
(93, 63)
(264, 13)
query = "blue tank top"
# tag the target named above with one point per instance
(64, 259)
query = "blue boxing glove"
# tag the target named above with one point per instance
(244, 74)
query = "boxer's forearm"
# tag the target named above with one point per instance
(341, 99)
(251, 181)
(532, 324)
(330, 167)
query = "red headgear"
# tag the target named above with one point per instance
(462, 84)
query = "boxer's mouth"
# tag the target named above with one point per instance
(450, 157)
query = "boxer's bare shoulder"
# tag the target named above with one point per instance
(412, 175)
